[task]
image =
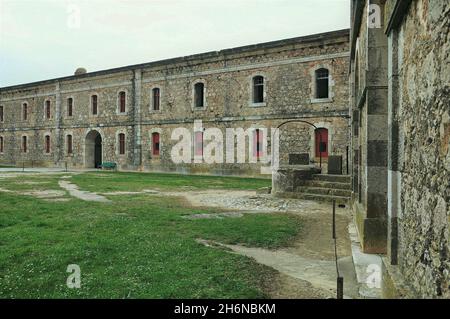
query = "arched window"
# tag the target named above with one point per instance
(24, 144)
(94, 104)
(156, 99)
(69, 144)
(322, 76)
(199, 94)
(24, 111)
(69, 106)
(1, 144)
(258, 143)
(321, 142)
(258, 89)
(122, 102)
(121, 143)
(47, 109)
(47, 144)
(155, 144)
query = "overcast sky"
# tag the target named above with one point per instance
(43, 39)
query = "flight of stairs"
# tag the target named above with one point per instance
(325, 188)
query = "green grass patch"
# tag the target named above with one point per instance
(121, 181)
(136, 247)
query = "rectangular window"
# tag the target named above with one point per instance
(69, 106)
(258, 143)
(199, 95)
(47, 109)
(198, 144)
(1, 144)
(121, 144)
(1, 113)
(258, 89)
(94, 104)
(47, 144)
(122, 102)
(156, 98)
(24, 144)
(155, 144)
(25, 111)
(322, 83)
(69, 144)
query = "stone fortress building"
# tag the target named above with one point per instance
(127, 115)
(400, 106)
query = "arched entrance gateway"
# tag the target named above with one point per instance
(93, 150)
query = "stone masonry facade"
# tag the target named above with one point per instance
(122, 128)
(400, 93)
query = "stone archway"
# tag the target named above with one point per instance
(93, 150)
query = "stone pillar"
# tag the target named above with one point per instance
(394, 176)
(137, 121)
(376, 159)
(59, 145)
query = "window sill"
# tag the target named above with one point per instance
(326, 100)
(262, 104)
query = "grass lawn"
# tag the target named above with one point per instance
(136, 247)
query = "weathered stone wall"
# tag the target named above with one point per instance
(287, 67)
(424, 134)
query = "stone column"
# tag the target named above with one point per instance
(137, 120)
(59, 146)
(376, 159)
(394, 176)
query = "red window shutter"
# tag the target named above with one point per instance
(121, 143)
(47, 144)
(155, 144)
(122, 96)
(69, 106)
(24, 144)
(156, 99)
(25, 111)
(69, 144)
(47, 109)
(258, 143)
(94, 105)
(321, 142)
(199, 143)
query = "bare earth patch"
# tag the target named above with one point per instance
(83, 195)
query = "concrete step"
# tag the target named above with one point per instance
(323, 191)
(324, 184)
(316, 197)
(332, 178)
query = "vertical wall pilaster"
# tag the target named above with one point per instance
(137, 121)
(59, 147)
(394, 178)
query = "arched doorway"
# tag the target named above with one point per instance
(93, 150)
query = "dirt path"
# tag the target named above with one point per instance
(83, 195)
